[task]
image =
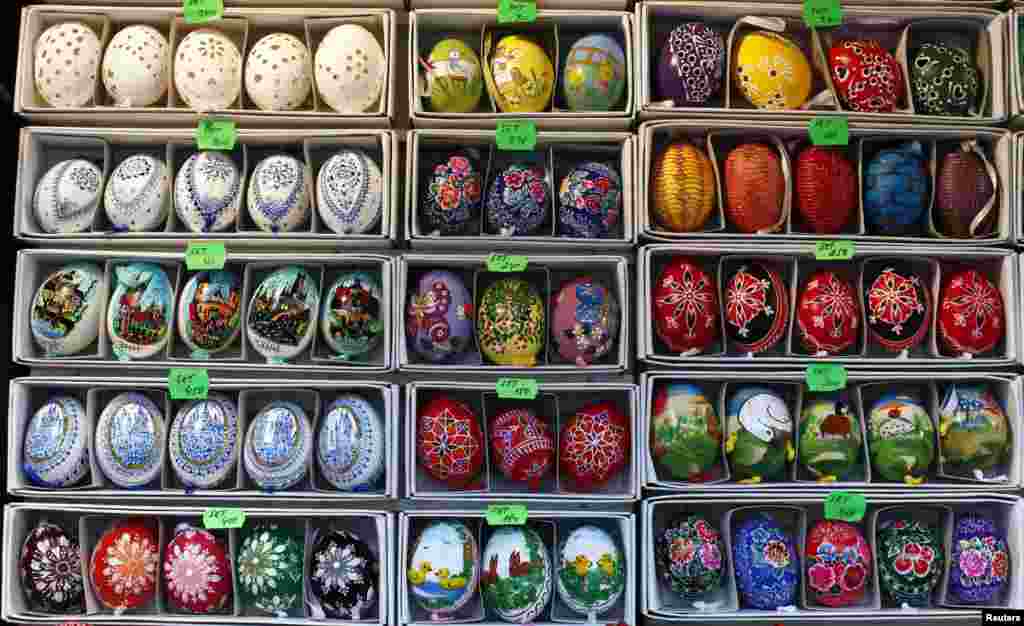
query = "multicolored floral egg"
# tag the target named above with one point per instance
(351, 319)
(974, 428)
(825, 189)
(65, 316)
(838, 561)
(522, 78)
(901, 438)
(450, 443)
(279, 195)
(686, 435)
(55, 452)
(204, 442)
(979, 568)
(269, 570)
(585, 321)
(67, 197)
(278, 73)
(141, 311)
(766, 564)
(683, 188)
(278, 446)
(510, 323)
(972, 319)
(830, 438)
(691, 66)
(517, 577)
(452, 194)
(594, 76)
(208, 192)
(283, 313)
(944, 80)
(591, 571)
(129, 441)
(444, 568)
(964, 194)
(910, 560)
(593, 446)
(589, 201)
(756, 307)
(350, 193)
(896, 189)
(210, 312)
(136, 66)
(125, 564)
(208, 71)
(828, 314)
(771, 71)
(50, 570)
(519, 200)
(350, 92)
(350, 444)
(686, 307)
(197, 571)
(454, 77)
(897, 304)
(66, 62)
(439, 317)
(760, 440)
(344, 575)
(523, 446)
(866, 76)
(755, 188)
(691, 556)
(138, 193)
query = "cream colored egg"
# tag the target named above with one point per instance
(67, 61)
(208, 70)
(278, 76)
(136, 67)
(349, 69)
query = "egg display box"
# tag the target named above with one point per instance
(554, 30)
(90, 522)
(982, 31)
(546, 273)
(244, 27)
(795, 263)
(996, 146)
(1018, 173)
(1013, 55)
(41, 148)
(862, 391)
(28, 394)
(35, 265)
(796, 512)
(553, 527)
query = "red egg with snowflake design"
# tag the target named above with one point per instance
(124, 563)
(524, 449)
(827, 314)
(593, 446)
(838, 561)
(449, 442)
(972, 319)
(866, 76)
(197, 570)
(897, 305)
(756, 307)
(686, 307)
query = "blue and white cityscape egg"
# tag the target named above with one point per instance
(350, 444)
(204, 442)
(129, 440)
(56, 448)
(278, 446)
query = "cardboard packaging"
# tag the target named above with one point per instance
(1016, 85)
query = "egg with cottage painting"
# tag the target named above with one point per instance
(444, 568)
(65, 316)
(516, 581)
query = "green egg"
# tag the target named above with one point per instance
(454, 77)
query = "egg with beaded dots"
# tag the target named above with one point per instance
(67, 65)
(208, 70)
(136, 66)
(278, 75)
(344, 575)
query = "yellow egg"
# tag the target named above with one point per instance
(772, 71)
(523, 75)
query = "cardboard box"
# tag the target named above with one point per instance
(381, 4)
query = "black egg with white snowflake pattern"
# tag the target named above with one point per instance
(343, 575)
(50, 570)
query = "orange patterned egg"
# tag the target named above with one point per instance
(683, 186)
(755, 188)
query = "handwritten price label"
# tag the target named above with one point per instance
(822, 13)
(826, 377)
(516, 388)
(829, 131)
(834, 250)
(209, 255)
(506, 263)
(223, 518)
(517, 11)
(216, 134)
(188, 383)
(516, 135)
(507, 514)
(845, 505)
(202, 11)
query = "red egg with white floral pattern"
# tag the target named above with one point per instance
(828, 315)
(838, 562)
(593, 446)
(756, 307)
(523, 447)
(866, 76)
(686, 307)
(450, 443)
(972, 319)
(123, 567)
(898, 305)
(197, 571)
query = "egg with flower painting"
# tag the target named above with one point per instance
(584, 321)
(838, 561)
(444, 569)
(450, 200)
(685, 307)
(125, 563)
(979, 568)
(517, 579)
(971, 317)
(910, 560)
(450, 444)
(510, 323)
(765, 559)
(691, 557)
(592, 570)
(344, 574)
(439, 317)
(828, 314)
(268, 569)
(197, 571)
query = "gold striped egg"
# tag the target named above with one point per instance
(683, 185)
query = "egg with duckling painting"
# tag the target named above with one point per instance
(444, 568)
(591, 571)
(516, 580)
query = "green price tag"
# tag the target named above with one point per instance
(223, 518)
(506, 263)
(517, 11)
(207, 255)
(202, 11)
(188, 383)
(516, 388)
(826, 377)
(845, 505)
(216, 134)
(834, 250)
(829, 131)
(516, 135)
(506, 514)
(822, 13)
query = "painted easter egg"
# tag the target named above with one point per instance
(55, 452)
(450, 443)
(67, 197)
(129, 441)
(344, 574)
(691, 556)
(771, 70)
(756, 307)
(755, 188)
(141, 311)
(50, 570)
(352, 317)
(691, 66)
(910, 560)
(828, 314)
(350, 444)
(197, 571)
(684, 188)
(279, 446)
(517, 577)
(974, 427)
(901, 438)
(866, 76)
(896, 189)
(972, 319)
(359, 87)
(584, 321)
(944, 80)
(350, 193)
(269, 570)
(592, 571)
(765, 559)
(278, 74)
(125, 564)
(136, 66)
(898, 305)
(454, 77)
(278, 196)
(510, 323)
(444, 568)
(760, 434)
(825, 189)
(522, 76)
(830, 438)
(686, 435)
(979, 561)
(208, 192)
(589, 201)
(452, 194)
(208, 70)
(137, 198)
(594, 446)
(519, 200)
(594, 75)
(65, 316)
(838, 561)
(964, 194)
(523, 446)
(210, 312)
(204, 442)
(686, 307)
(66, 62)
(439, 317)
(283, 313)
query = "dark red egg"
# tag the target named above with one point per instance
(197, 570)
(523, 447)
(826, 189)
(827, 314)
(964, 196)
(756, 307)
(866, 76)
(971, 315)
(755, 188)
(686, 307)
(897, 304)
(125, 563)
(594, 446)
(449, 442)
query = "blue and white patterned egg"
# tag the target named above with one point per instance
(278, 446)
(589, 201)
(208, 192)
(138, 194)
(129, 440)
(56, 448)
(204, 441)
(141, 311)
(765, 560)
(65, 316)
(278, 194)
(67, 197)
(350, 193)
(979, 561)
(350, 444)
(518, 200)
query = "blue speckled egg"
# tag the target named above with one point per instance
(204, 441)
(589, 201)
(767, 569)
(452, 194)
(979, 563)
(518, 200)
(278, 446)
(56, 448)
(350, 444)
(129, 440)
(439, 317)
(896, 189)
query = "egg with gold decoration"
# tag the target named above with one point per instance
(523, 77)
(510, 323)
(771, 70)
(683, 188)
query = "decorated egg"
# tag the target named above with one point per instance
(901, 438)
(67, 60)
(896, 189)
(452, 194)
(141, 311)
(828, 314)
(65, 317)
(771, 70)
(510, 323)
(136, 66)
(522, 78)
(686, 307)
(439, 317)
(278, 75)
(444, 569)
(523, 447)
(825, 189)
(766, 564)
(910, 560)
(944, 80)
(971, 315)
(138, 194)
(830, 438)
(125, 564)
(210, 312)
(208, 70)
(278, 446)
(350, 444)
(592, 571)
(517, 578)
(691, 66)
(349, 193)
(208, 192)
(351, 320)
(755, 188)
(760, 439)
(454, 77)
(683, 182)
(593, 446)
(354, 85)
(584, 321)
(686, 436)
(691, 556)
(129, 441)
(965, 194)
(67, 197)
(594, 77)
(838, 561)
(278, 196)
(449, 442)
(979, 562)
(197, 571)
(589, 201)
(898, 305)
(756, 307)
(283, 313)
(519, 199)
(50, 570)
(866, 76)
(269, 569)
(343, 575)
(55, 452)
(975, 431)
(204, 442)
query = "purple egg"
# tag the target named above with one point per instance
(980, 561)
(691, 65)
(439, 317)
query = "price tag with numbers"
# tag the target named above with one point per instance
(826, 377)
(822, 13)
(506, 263)
(188, 383)
(206, 255)
(517, 11)
(829, 131)
(223, 518)
(516, 388)
(507, 514)
(521, 135)
(202, 11)
(845, 505)
(214, 134)
(834, 250)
